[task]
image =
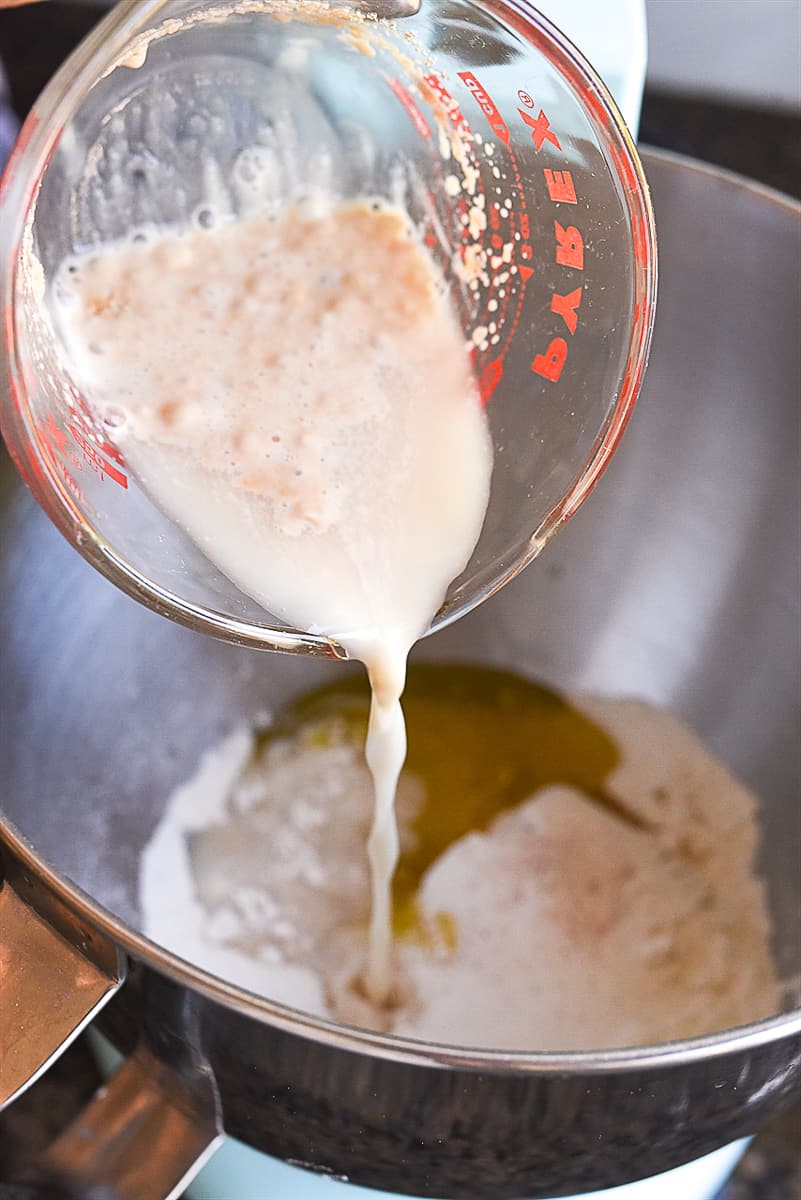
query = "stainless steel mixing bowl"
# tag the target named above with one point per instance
(678, 582)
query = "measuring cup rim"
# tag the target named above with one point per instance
(99, 52)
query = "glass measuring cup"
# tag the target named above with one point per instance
(503, 145)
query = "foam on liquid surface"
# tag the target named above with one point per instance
(294, 391)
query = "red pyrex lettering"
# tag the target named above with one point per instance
(569, 240)
(487, 106)
(541, 130)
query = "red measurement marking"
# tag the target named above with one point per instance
(487, 106)
(112, 452)
(61, 469)
(95, 459)
(55, 436)
(524, 252)
(560, 186)
(417, 118)
(84, 418)
(491, 373)
(440, 93)
(79, 406)
(489, 379)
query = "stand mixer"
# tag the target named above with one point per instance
(646, 1110)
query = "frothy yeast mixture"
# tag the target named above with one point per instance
(295, 392)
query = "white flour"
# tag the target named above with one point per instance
(564, 925)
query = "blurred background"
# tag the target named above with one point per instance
(743, 52)
(722, 81)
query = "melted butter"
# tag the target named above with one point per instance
(481, 741)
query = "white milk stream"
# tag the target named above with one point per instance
(296, 394)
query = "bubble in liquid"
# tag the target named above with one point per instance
(206, 218)
(197, 124)
(250, 164)
(68, 279)
(294, 58)
(114, 418)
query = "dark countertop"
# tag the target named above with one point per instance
(760, 144)
(763, 145)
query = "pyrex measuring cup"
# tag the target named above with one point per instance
(477, 115)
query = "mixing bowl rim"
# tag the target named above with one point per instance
(409, 1051)
(781, 200)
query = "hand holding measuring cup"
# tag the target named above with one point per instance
(504, 149)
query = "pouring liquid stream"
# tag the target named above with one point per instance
(386, 754)
(295, 393)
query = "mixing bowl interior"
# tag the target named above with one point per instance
(677, 582)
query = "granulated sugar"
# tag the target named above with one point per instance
(570, 922)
